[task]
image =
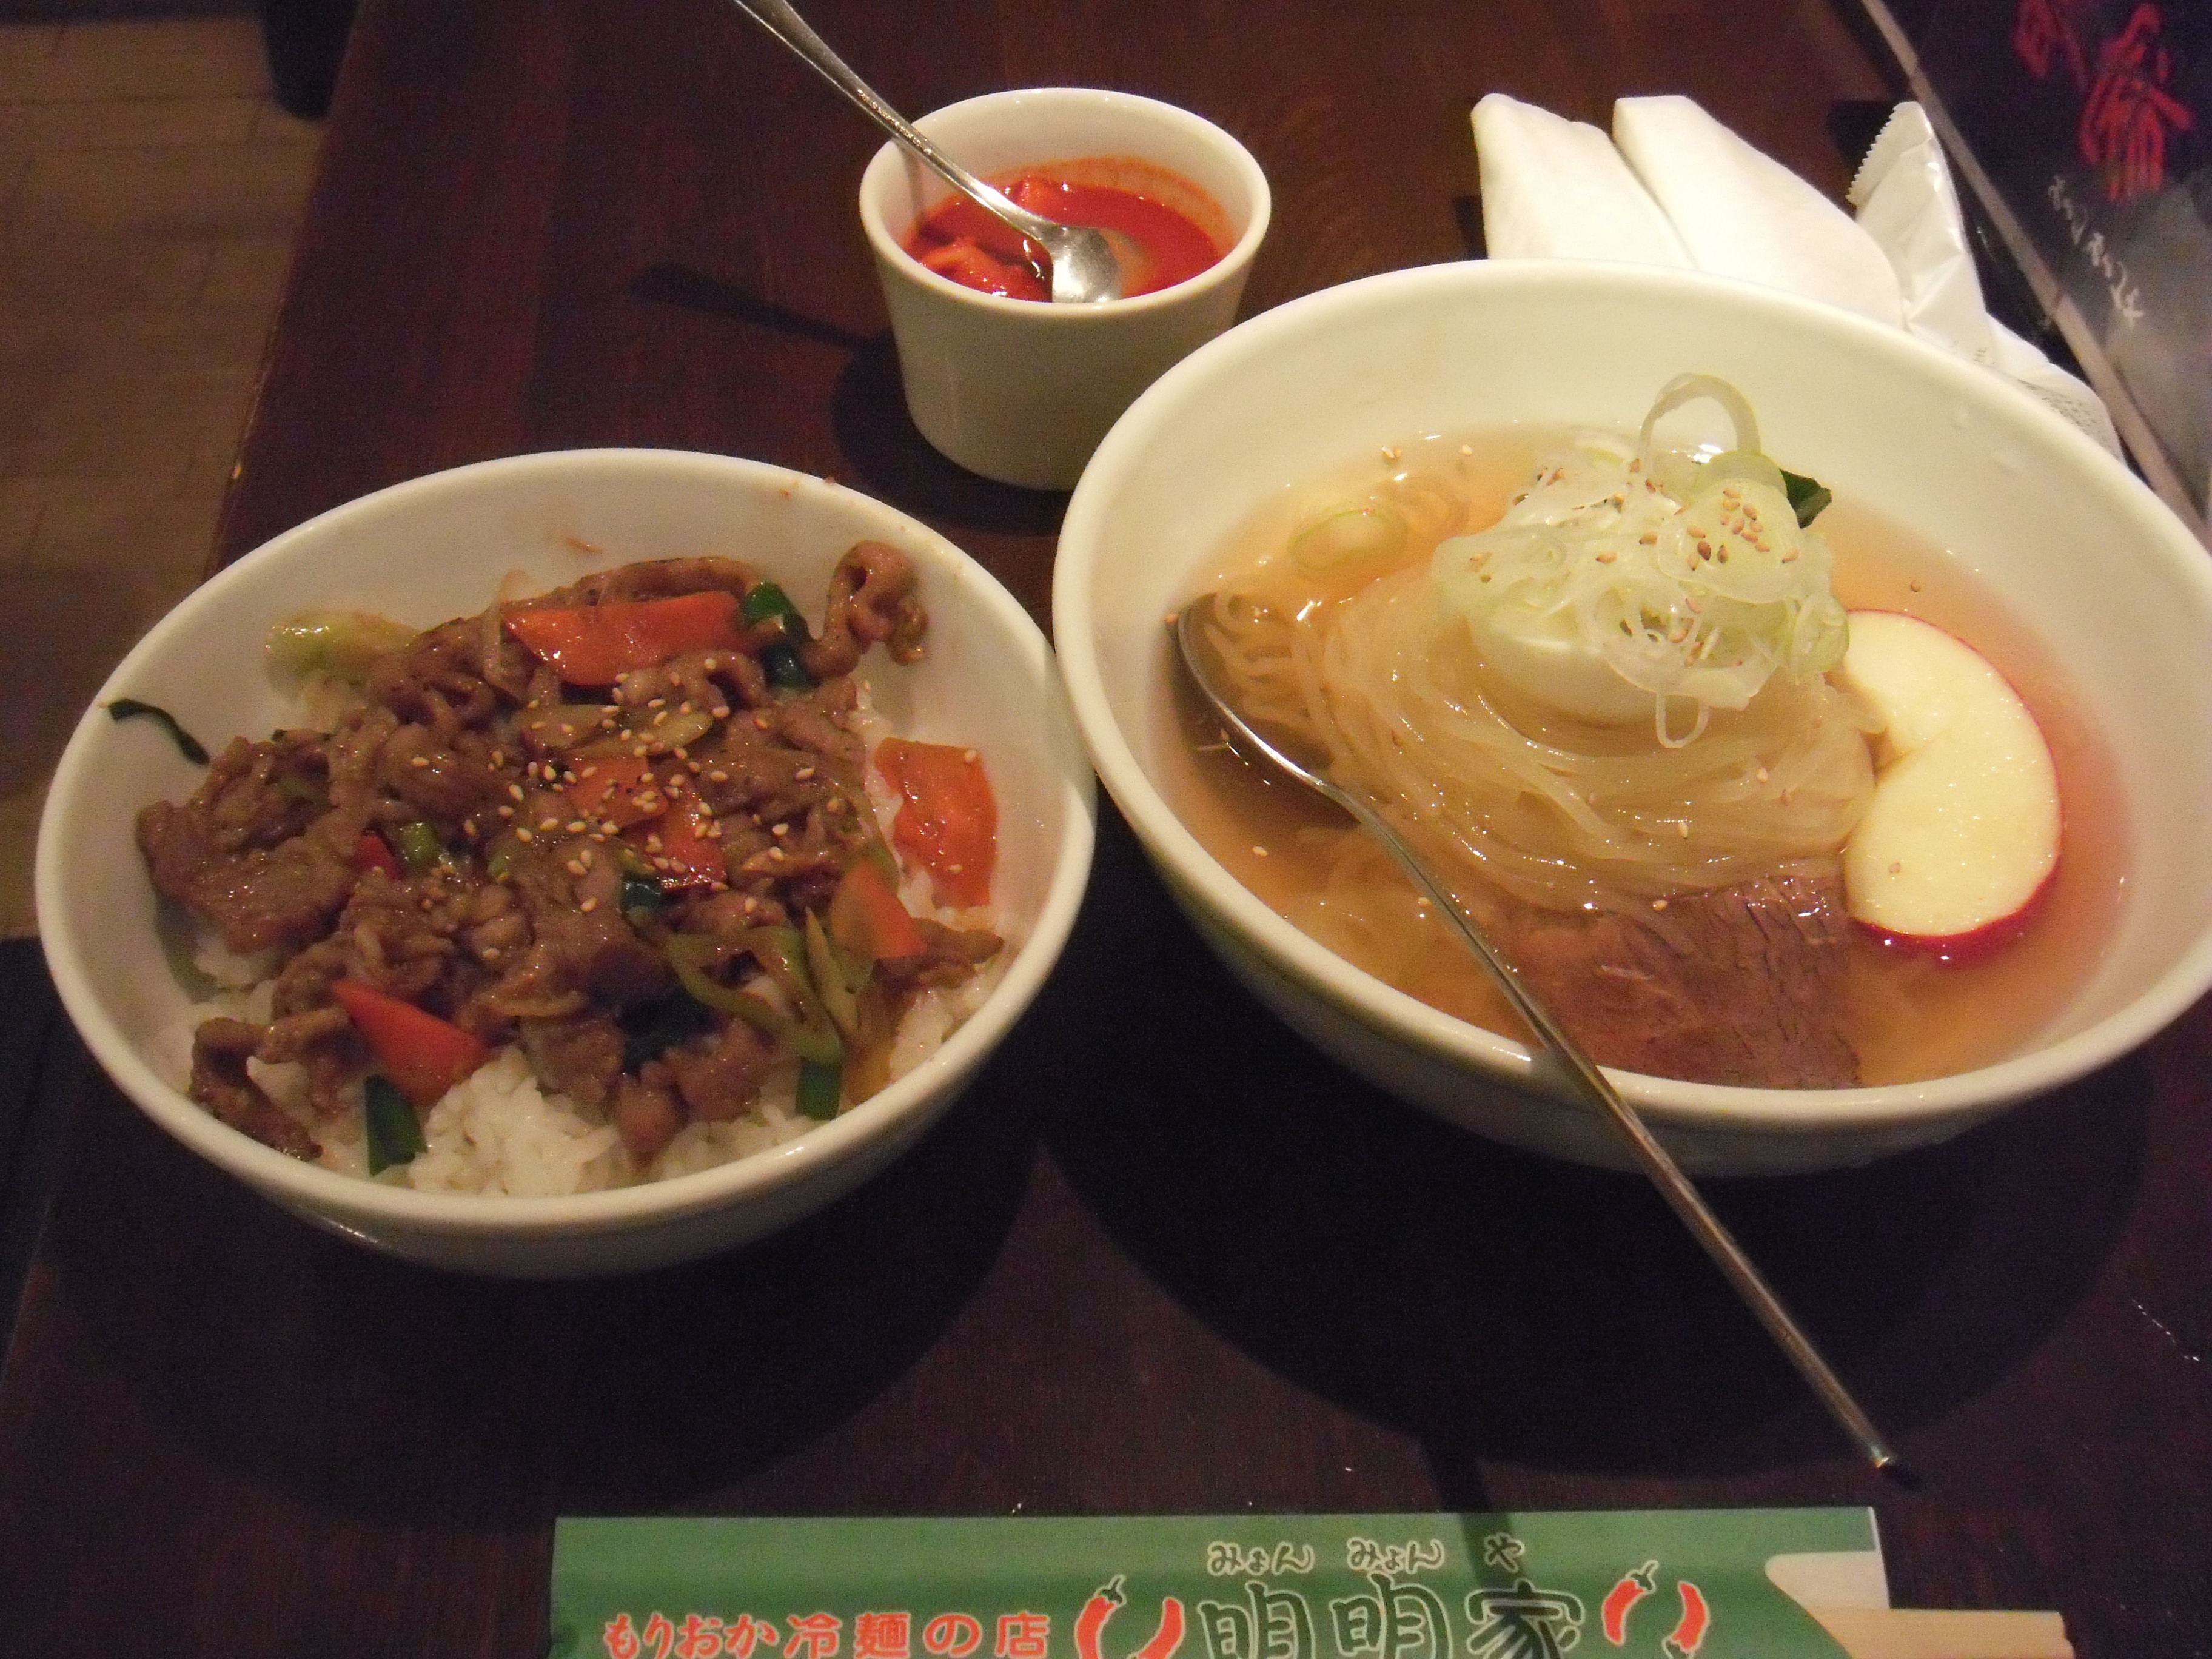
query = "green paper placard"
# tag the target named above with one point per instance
(1668, 1583)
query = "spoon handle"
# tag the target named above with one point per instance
(1189, 627)
(1656, 1163)
(780, 19)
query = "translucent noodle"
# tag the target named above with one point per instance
(1562, 814)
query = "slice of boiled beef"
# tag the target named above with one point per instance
(1740, 985)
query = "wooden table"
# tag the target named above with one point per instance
(1125, 1275)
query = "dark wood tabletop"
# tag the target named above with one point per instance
(1207, 1273)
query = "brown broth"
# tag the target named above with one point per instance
(1912, 1017)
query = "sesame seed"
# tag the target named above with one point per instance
(588, 906)
(1682, 828)
(577, 826)
(1258, 851)
(522, 835)
(514, 790)
(507, 812)
(418, 760)
(549, 824)
(721, 711)
(1658, 904)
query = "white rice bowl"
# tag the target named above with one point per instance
(520, 1183)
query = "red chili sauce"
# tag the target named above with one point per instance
(958, 239)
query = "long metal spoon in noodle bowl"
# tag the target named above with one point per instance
(1195, 632)
(1084, 269)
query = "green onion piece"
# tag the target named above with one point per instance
(785, 670)
(418, 847)
(820, 1090)
(639, 892)
(765, 602)
(1807, 496)
(835, 977)
(811, 1036)
(340, 643)
(394, 1133)
(190, 747)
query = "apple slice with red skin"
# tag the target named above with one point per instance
(1960, 841)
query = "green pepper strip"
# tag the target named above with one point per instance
(812, 1036)
(394, 1133)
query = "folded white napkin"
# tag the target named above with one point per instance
(1556, 189)
(1743, 214)
(1908, 205)
(1674, 187)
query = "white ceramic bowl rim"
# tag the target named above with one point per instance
(1394, 1013)
(889, 245)
(339, 1196)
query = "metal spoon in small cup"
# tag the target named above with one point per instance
(1086, 269)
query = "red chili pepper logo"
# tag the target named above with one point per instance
(1632, 1587)
(1689, 1632)
(1091, 1623)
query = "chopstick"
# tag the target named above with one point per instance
(1929, 1633)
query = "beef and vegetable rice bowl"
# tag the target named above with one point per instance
(593, 887)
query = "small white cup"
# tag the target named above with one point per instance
(1022, 391)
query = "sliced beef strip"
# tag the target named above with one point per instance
(220, 1048)
(872, 601)
(258, 895)
(720, 1076)
(581, 1057)
(1742, 985)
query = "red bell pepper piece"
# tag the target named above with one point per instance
(949, 823)
(615, 792)
(371, 853)
(422, 1055)
(597, 644)
(866, 920)
(686, 855)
